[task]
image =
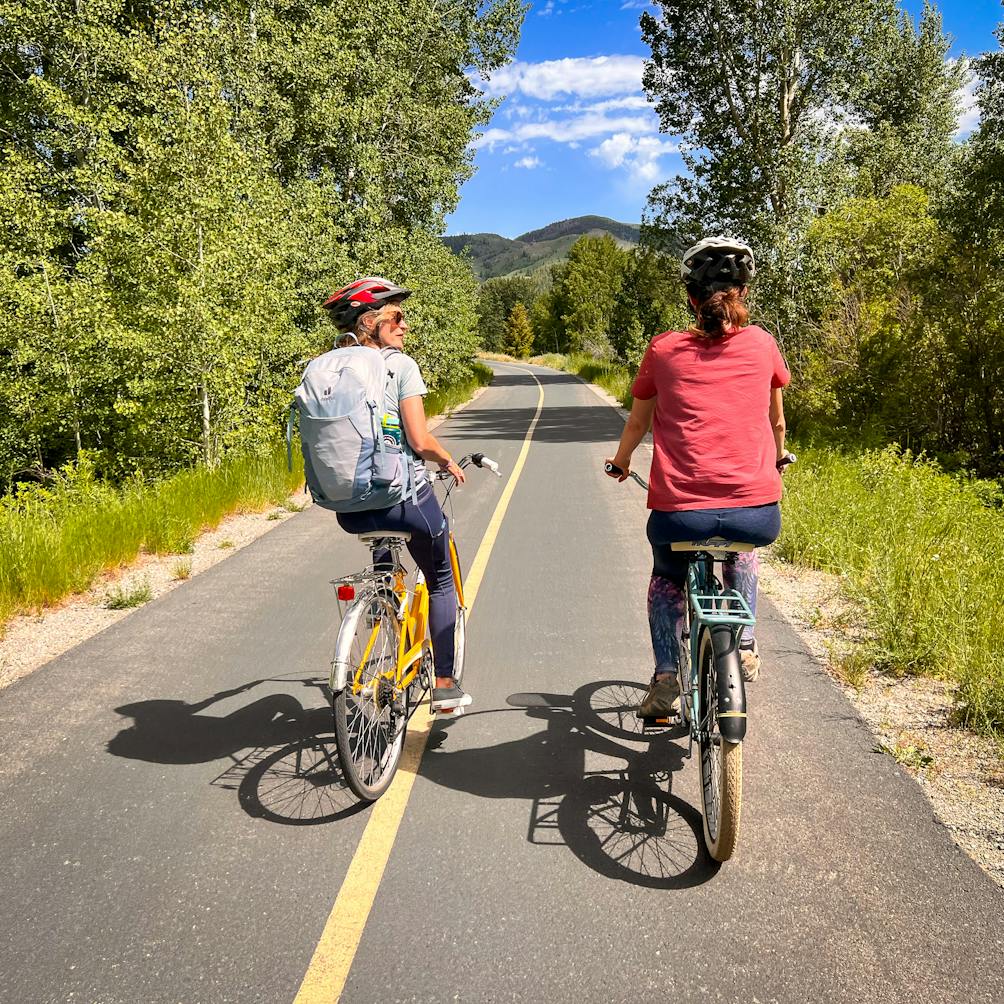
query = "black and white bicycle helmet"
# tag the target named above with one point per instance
(353, 300)
(718, 263)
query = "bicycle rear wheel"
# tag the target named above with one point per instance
(721, 760)
(370, 717)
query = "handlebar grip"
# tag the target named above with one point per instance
(786, 461)
(613, 469)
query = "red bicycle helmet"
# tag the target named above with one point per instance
(370, 293)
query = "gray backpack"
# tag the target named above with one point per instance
(349, 464)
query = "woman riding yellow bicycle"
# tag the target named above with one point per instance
(368, 312)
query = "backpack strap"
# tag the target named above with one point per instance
(411, 482)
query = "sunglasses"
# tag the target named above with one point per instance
(396, 318)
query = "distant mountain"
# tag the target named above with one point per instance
(494, 256)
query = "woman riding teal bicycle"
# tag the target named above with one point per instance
(712, 397)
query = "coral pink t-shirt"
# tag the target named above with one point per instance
(714, 445)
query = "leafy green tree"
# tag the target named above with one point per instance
(778, 104)
(519, 333)
(971, 301)
(496, 299)
(907, 109)
(587, 293)
(651, 300)
(548, 310)
(875, 358)
(182, 183)
(750, 87)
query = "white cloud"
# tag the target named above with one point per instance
(969, 109)
(570, 130)
(639, 154)
(528, 162)
(635, 4)
(630, 102)
(587, 78)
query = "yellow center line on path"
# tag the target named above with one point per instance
(336, 950)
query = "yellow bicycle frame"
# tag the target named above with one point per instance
(414, 638)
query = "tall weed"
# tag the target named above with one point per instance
(921, 552)
(56, 539)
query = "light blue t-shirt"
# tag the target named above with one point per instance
(404, 381)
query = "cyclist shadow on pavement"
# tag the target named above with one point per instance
(623, 822)
(283, 762)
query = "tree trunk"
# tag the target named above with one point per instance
(208, 453)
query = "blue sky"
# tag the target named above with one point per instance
(575, 134)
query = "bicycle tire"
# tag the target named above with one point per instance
(369, 734)
(459, 644)
(721, 760)
(459, 631)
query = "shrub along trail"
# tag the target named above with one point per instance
(155, 831)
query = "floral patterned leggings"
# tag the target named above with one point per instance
(757, 525)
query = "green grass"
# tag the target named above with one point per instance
(126, 597)
(919, 552)
(57, 540)
(181, 569)
(443, 399)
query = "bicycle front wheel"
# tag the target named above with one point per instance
(721, 760)
(460, 631)
(370, 715)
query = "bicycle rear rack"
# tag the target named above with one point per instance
(728, 608)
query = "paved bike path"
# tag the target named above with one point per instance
(159, 847)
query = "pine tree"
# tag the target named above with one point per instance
(519, 333)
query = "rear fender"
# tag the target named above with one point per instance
(731, 689)
(341, 661)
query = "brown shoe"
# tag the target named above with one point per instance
(750, 660)
(662, 699)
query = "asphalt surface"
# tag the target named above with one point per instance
(159, 845)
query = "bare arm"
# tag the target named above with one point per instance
(777, 419)
(423, 442)
(638, 423)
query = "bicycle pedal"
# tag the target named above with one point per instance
(657, 723)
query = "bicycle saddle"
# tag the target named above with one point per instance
(712, 544)
(369, 538)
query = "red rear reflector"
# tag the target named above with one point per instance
(346, 592)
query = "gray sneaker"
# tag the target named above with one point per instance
(662, 699)
(750, 660)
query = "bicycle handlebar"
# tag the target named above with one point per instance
(614, 471)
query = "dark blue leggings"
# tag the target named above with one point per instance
(757, 525)
(430, 547)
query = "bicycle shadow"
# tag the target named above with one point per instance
(284, 766)
(624, 822)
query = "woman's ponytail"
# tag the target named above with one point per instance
(720, 313)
